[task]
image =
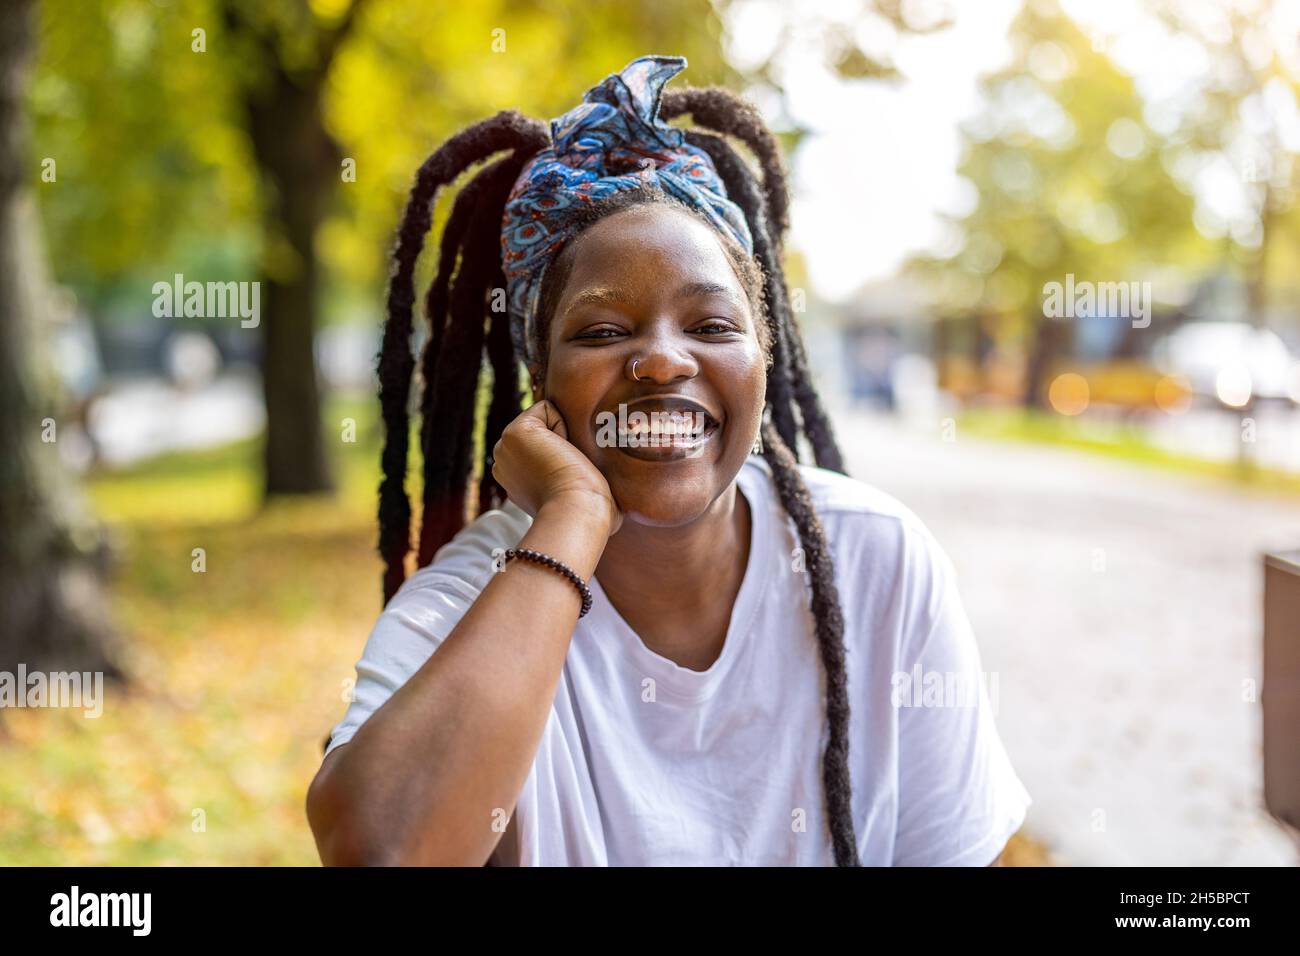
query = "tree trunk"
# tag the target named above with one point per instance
(300, 164)
(1257, 281)
(52, 608)
(1050, 338)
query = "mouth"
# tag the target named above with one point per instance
(664, 428)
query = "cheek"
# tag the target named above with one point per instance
(753, 372)
(574, 387)
(741, 379)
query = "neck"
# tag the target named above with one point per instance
(680, 570)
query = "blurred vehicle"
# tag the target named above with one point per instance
(1231, 364)
(1117, 361)
(1114, 358)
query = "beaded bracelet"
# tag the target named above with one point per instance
(528, 554)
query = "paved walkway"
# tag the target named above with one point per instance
(1120, 608)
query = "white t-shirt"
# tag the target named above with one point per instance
(644, 762)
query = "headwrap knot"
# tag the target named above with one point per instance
(611, 142)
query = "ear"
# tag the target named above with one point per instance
(535, 376)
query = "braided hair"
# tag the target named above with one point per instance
(469, 330)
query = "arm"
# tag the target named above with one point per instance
(959, 796)
(420, 781)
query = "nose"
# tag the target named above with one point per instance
(662, 361)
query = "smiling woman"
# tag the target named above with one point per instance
(729, 697)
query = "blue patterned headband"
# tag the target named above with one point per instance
(611, 142)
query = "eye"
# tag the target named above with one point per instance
(597, 334)
(717, 327)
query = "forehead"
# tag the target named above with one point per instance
(647, 250)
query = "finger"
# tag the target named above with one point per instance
(558, 425)
(549, 415)
(541, 410)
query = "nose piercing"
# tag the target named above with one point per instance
(635, 377)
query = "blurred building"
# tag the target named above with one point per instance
(881, 330)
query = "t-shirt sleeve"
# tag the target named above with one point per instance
(411, 628)
(960, 799)
(422, 613)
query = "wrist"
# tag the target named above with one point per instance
(587, 511)
(574, 532)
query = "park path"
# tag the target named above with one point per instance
(1120, 608)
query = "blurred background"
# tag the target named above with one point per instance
(1045, 256)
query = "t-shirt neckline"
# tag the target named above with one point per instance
(681, 681)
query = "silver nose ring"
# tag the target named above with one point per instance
(635, 377)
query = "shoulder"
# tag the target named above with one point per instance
(858, 516)
(465, 563)
(885, 556)
(432, 600)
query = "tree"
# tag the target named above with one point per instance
(1244, 120)
(53, 615)
(1070, 179)
(230, 160)
(299, 162)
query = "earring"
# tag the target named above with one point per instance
(757, 447)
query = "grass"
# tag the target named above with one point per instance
(1121, 442)
(239, 671)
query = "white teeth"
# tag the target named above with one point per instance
(679, 428)
(665, 434)
(662, 435)
(665, 425)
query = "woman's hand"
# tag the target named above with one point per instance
(537, 465)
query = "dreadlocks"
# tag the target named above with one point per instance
(469, 329)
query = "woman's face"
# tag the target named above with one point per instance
(652, 284)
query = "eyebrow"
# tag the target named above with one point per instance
(690, 290)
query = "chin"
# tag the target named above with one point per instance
(678, 518)
(678, 497)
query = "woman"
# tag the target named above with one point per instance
(740, 691)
